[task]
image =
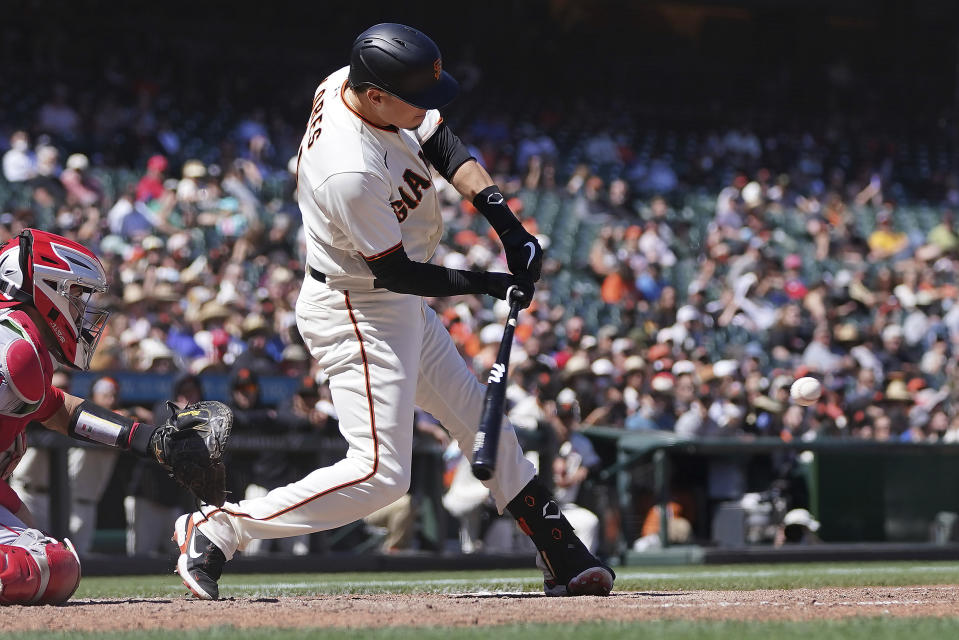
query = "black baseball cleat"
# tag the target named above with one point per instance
(590, 577)
(201, 562)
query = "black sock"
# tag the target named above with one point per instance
(540, 518)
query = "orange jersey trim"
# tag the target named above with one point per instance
(433, 132)
(376, 442)
(391, 128)
(383, 254)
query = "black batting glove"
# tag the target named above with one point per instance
(498, 284)
(524, 256)
(523, 253)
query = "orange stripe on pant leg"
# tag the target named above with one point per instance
(376, 444)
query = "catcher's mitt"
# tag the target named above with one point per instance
(190, 446)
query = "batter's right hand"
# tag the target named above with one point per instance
(498, 284)
(523, 253)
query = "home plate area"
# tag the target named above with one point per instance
(484, 608)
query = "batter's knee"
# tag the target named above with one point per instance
(389, 488)
(43, 572)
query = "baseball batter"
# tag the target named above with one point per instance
(365, 187)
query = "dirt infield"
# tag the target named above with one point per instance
(365, 611)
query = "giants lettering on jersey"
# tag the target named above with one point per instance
(406, 202)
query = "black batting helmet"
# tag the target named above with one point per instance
(403, 62)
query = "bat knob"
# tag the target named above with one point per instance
(482, 472)
(514, 293)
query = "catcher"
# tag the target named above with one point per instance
(47, 283)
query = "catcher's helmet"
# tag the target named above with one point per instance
(403, 62)
(59, 277)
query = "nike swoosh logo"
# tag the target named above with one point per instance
(191, 552)
(532, 253)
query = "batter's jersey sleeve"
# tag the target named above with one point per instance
(428, 127)
(359, 204)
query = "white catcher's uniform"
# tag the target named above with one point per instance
(364, 191)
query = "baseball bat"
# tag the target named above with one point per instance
(487, 438)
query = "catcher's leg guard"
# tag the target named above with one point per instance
(45, 572)
(64, 569)
(20, 577)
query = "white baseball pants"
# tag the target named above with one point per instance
(383, 353)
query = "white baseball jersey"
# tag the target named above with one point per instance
(365, 191)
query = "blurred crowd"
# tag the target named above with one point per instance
(699, 263)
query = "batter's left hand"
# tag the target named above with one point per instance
(526, 290)
(524, 256)
(499, 284)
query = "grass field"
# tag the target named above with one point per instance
(735, 577)
(635, 579)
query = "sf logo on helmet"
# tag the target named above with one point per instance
(437, 68)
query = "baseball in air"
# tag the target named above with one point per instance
(805, 391)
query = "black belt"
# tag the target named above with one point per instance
(320, 276)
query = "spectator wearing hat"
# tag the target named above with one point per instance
(212, 337)
(577, 374)
(895, 404)
(634, 369)
(193, 172)
(81, 188)
(656, 409)
(255, 333)
(155, 357)
(150, 187)
(294, 361)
